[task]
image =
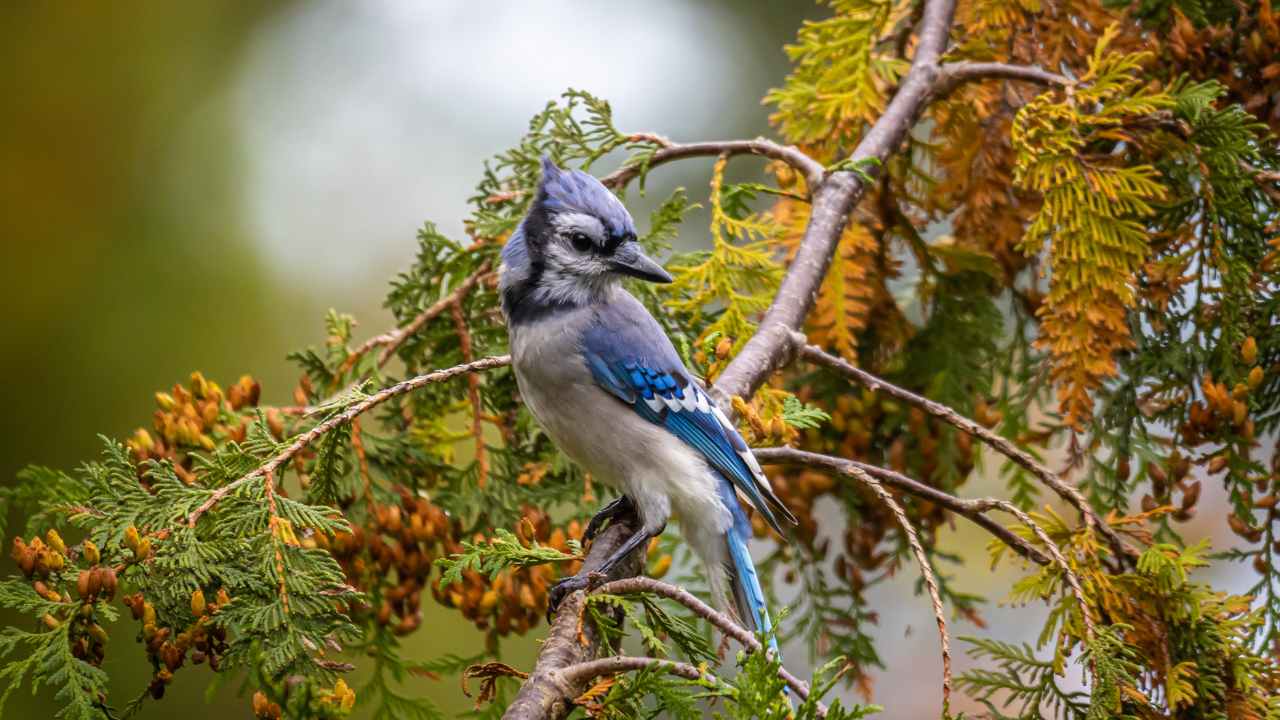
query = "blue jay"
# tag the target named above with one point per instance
(602, 378)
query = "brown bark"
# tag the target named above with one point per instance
(549, 692)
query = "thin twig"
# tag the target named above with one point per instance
(1265, 179)
(926, 572)
(362, 459)
(585, 672)
(971, 509)
(391, 340)
(654, 138)
(1019, 456)
(1052, 547)
(269, 489)
(355, 410)
(811, 169)
(473, 392)
(726, 624)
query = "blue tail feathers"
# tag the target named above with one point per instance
(748, 595)
(747, 592)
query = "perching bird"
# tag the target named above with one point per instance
(602, 378)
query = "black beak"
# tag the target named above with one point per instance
(629, 259)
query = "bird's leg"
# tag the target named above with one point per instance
(565, 587)
(610, 511)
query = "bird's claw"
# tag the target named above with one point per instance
(594, 526)
(566, 587)
(607, 513)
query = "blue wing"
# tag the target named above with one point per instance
(631, 358)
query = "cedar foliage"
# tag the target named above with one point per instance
(1100, 274)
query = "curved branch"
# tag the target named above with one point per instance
(833, 201)
(567, 663)
(926, 572)
(1019, 456)
(726, 624)
(1052, 547)
(811, 169)
(391, 340)
(351, 413)
(972, 509)
(950, 75)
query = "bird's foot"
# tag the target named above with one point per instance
(613, 509)
(566, 587)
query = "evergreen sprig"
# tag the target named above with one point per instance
(503, 550)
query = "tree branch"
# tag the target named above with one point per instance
(726, 624)
(351, 413)
(1019, 456)
(811, 169)
(951, 75)
(833, 201)
(972, 509)
(393, 339)
(548, 694)
(473, 393)
(584, 672)
(926, 572)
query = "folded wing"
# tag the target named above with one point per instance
(637, 365)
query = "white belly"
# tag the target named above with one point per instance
(658, 471)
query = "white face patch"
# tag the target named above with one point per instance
(571, 277)
(569, 223)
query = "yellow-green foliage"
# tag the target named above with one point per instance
(838, 83)
(1090, 217)
(1194, 641)
(737, 278)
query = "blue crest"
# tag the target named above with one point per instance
(575, 191)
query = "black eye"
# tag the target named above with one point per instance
(581, 242)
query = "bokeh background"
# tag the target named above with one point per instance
(191, 185)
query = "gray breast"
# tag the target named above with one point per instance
(591, 426)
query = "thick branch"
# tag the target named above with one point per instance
(953, 74)
(351, 413)
(548, 694)
(833, 200)
(726, 624)
(973, 510)
(1021, 457)
(811, 169)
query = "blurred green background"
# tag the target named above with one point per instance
(191, 185)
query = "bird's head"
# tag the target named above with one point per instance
(576, 243)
